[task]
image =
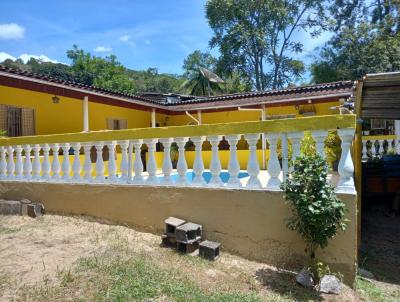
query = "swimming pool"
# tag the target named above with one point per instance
(224, 175)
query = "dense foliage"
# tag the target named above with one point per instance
(317, 213)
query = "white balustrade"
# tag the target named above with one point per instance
(124, 160)
(10, 163)
(381, 147)
(55, 166)
(87, 166)
(76, 165)
(295, 138)
(181, 166)
(151, 164)
(27, 162)
(112, 166)
(36, 166)
(66, 166)
(215, 164)
(364, 151)
(19, 166)
(198, 165)
(99, 162)
(285, 155)
(319, 137)
(233, 164)
(138, 165)
(46, 166)
(3, 163)
(253, 168)
(274, 168)
(167, 163)
(346, 167)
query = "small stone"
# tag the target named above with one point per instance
(365, 274)
(304, 278)
(330, 284)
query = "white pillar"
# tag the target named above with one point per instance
(3, 163)
(346, 167)
(99, 162)
(76, 165)
(151, 165)
(199, 118)
(18, 163)
(55, 165)
(263, 142)
(381, 148)
(295, 138)
(364, 152)
(397, 138)
(124, 167)
(27, 162)
(181, 166)
(153, 118)
(112, 167)
(46, 163)
(285, 155)
(373, 148)
(233, 164)
(167, 163)
(36, 167)
(215, 164)
(85, 111)
(198, 165)
(10, 163)
(87, 166)
(319, 137)
(253, 167)
(138, 165)
(274, 168)
(66, 166)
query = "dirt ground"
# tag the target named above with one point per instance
(35, 252)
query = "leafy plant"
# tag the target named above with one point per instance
(317, 213)
(3, 133)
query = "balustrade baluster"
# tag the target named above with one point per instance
(364, 150)
(233, 164)
(36, 166)
(76, 165)
(319, 137)
(381, 147)
(46, 163)
(27, 163)
(19, 165)
(10, 163)
(167, 163)
(55, 166)
(215, 164)
(181, 166)
(198, 165)
(112, 167)
(66, 166)
(373, 148)
(138, 165)
(124, 160)
(253, 168)
(274, 167)
(87, 166)
(295, 138)
(151, 164)
(3, 163)
(285, 151)
(99, 162)
(346, 167)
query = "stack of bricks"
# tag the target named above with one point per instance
(186, 237)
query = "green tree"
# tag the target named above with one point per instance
(256, 38)
(366, 40)
(316, 212)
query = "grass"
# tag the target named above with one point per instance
(115, 276)
(369, 291)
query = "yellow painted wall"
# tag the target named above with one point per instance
(66, 116)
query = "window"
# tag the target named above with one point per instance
(17, 121)
(116, 124)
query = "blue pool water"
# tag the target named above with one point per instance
(224, 175)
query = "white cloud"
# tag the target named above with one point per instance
(25, 57)
(11, 31)
(4, 56)
(102, 49)
(125, 38)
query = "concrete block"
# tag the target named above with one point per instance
(10, 207)
(171, 223)
(209, 250)
(187, 248)
(188, 233)
(168, 241)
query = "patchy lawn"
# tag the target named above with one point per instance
(56, 258)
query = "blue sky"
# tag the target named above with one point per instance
(142, 34)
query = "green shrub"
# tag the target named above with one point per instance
(316, 212)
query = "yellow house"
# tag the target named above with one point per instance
(32, 104)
